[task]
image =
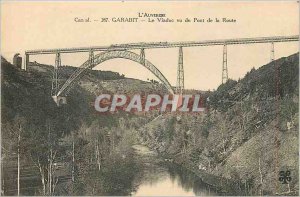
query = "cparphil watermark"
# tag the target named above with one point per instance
(145, 103)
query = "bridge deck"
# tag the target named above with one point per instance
(142, 45)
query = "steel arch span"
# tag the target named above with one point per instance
(104, 56)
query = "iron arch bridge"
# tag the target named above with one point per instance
(123, 51)
(104, 56)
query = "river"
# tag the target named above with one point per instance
(163, 178)
(147, 175)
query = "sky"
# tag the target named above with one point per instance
(47, 25)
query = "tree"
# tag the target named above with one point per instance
(223, 127)
(14, 144)
(44, 152)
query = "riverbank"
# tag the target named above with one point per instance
(222, 185)
(164, 178)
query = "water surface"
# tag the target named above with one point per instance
(161, 178)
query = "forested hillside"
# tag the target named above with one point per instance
(246, 134)
(51, 136)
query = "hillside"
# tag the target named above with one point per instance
(246, 134)
(29, 111)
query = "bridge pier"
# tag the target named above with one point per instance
(180, 73)
(55, 80)
(272, 52)
(91, 58)
(224, 65)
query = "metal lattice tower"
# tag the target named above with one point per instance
(180, 73)
(272, 58)
(224, 68)
(55, 80)
(91, 58)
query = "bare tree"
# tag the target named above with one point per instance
(98, 154)
(19, 139)
(19, 122)
(73, 158)
(261, 177)
(45, 161)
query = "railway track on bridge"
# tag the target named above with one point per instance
(151, 45)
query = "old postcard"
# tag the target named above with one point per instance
(149, 98)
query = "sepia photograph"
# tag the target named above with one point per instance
(149, 98)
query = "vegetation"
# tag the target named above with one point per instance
(249, 122)
(68, 150)
(71, 150)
